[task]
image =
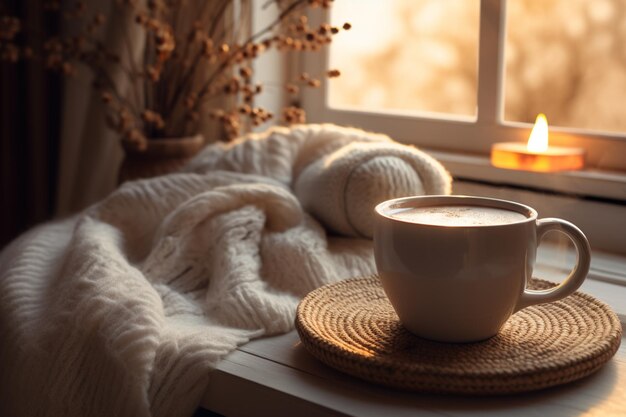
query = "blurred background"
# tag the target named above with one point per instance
(564, 58)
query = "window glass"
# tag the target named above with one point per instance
(566, 58)
(406, 56)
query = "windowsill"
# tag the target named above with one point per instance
(277, 375)
(609, 185)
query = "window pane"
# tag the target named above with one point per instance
(566, 58)
(406, 56)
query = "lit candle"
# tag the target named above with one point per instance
(537, 155)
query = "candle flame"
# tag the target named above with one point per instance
(538, 139)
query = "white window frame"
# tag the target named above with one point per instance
(602, 183)
(605, 175)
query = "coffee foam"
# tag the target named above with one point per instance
(457, 215)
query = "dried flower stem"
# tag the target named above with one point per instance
(204, 90)
(134, 70)
(184, 85)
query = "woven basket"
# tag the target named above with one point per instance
(351, 326)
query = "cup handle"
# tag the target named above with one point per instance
(575, 278)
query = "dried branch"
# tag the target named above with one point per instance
(183, 69)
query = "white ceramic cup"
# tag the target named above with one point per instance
(462, 283)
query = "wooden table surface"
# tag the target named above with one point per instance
(276, 376)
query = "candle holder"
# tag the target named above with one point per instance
(517, 156)
(537, 155)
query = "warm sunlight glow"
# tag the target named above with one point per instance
(406, 57)
(538, 140)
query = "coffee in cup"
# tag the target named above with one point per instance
(455, 268)
(457, 215)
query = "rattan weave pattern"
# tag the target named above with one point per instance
(351, 326)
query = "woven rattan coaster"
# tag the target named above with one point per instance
(351, 326)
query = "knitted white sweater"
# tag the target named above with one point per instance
(124, 309)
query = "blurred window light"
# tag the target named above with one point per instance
(406, 56)
(566, 58)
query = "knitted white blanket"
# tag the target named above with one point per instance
(124, 309)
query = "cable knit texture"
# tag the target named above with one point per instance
(124, 309)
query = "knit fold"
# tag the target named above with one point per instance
(125, 308)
